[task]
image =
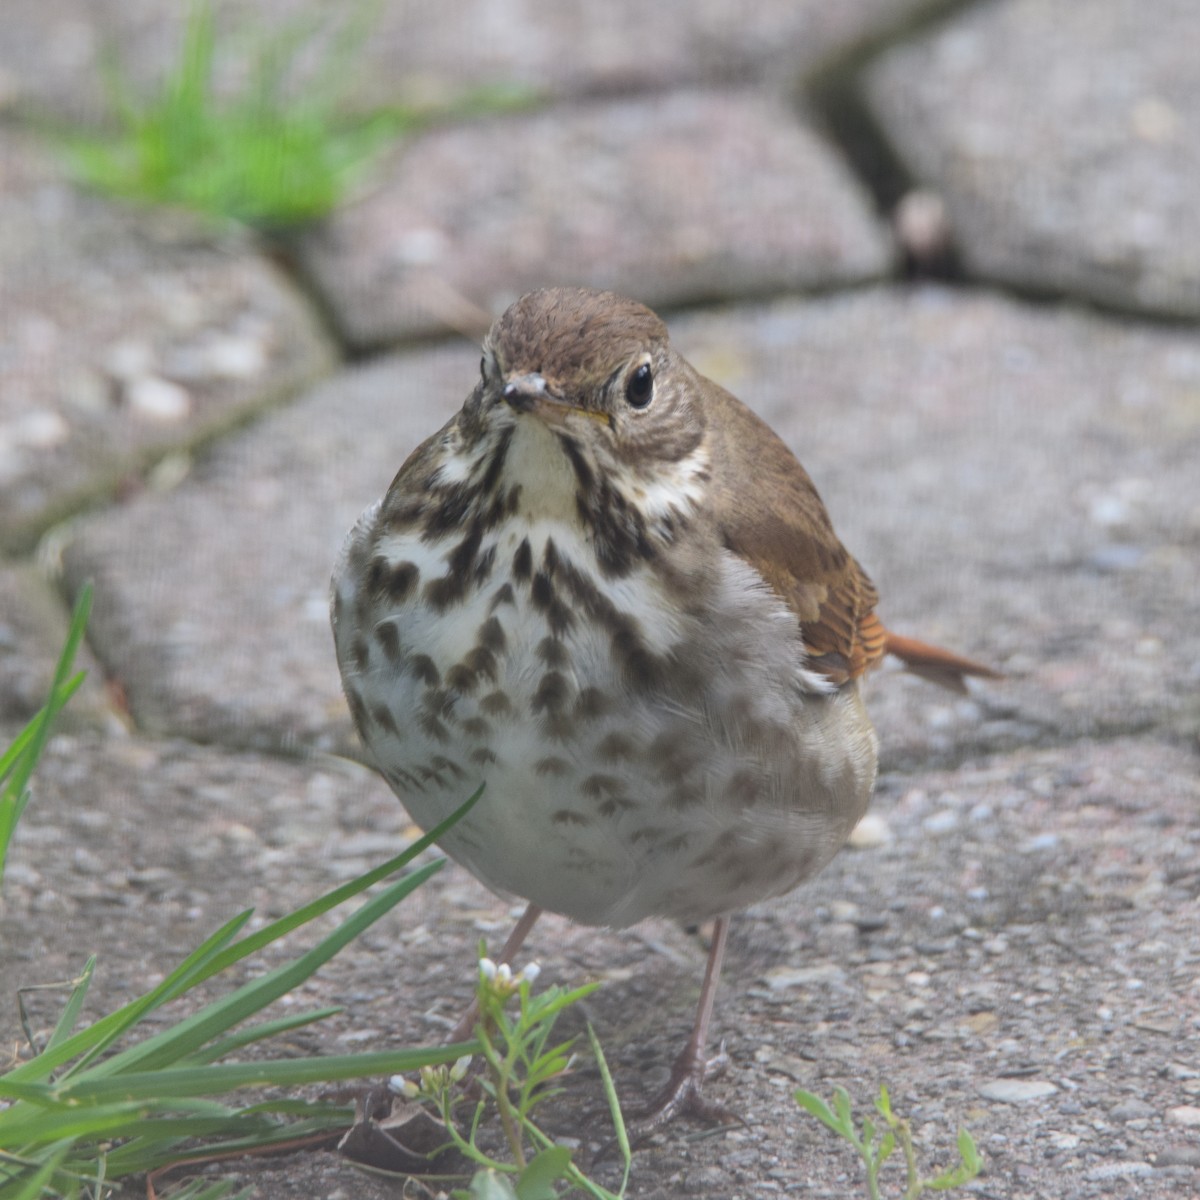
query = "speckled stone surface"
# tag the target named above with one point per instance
(674, 199)
(944, 456)
(1009, 941)
(1065, 141)
(124, 335)
(425, 53)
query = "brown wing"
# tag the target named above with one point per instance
(781, 527)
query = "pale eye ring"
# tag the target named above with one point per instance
(639, 389)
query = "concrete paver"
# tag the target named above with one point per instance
(1019, 481)
(673, 199)
(1065, 141)
(124, 335)
(33, 627)
(424, 53)
(942, 455)
(1019, 918)
(1008, 931)
(231, 640)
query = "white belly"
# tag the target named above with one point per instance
(723, 777)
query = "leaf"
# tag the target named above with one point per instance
(489, 1185)
(970, 1155)
(818, 1108)
(841, 1105)
(537, 1180)
(614, 1105)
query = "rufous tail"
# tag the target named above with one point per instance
(935, 664)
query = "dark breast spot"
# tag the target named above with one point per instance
(496, 704)
(433, 727)
(523, 561)
(502, 595)
(358, 709)
(615, 805)
(552, 652)
(425, 669)
(480, 663)
(401, 580)
(566, 816)
(491, 635)
(597, 787)
(592, 703)
(476, 727)
(551, 694)
(616, 747)
(552, 766)
(388, 637)
(382, 716)
(546, 601)
(439, 762)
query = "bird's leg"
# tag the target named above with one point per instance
(682, 1094)
(466, 1025)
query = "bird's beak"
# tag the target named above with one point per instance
(530, 393)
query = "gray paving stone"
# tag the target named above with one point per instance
(421, 53)
(1019, 481)
(1065, 140)
(934, 964)
(33, 628)
(230, 640)
(676, 198)
(123, 335)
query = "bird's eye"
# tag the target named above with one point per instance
(639, 391)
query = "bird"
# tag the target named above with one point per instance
(608, 591)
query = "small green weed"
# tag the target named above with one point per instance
(262, 157)
(876, 1143)
(81, 1112)
(17, 763)
(521, 1067)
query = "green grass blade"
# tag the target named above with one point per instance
(216, 1051)
(35, 1184)
(614, 1106)
(71, 1010)
(18, 767)
(215, 955)
(219, 1078)
(339, 895)
(193, 1032)
(98, 1036)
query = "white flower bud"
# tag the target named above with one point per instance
(530, 972)
(487, 969)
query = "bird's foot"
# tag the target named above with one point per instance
(683, 1096)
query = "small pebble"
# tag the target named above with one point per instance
(158, 399)
(937, 823)
(1185, 1114)
(1118, 1170)
(870, 832)
(1178, 1156)
(1131, 1110)
(1017, 1091)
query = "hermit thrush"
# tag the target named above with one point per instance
(609, 591)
